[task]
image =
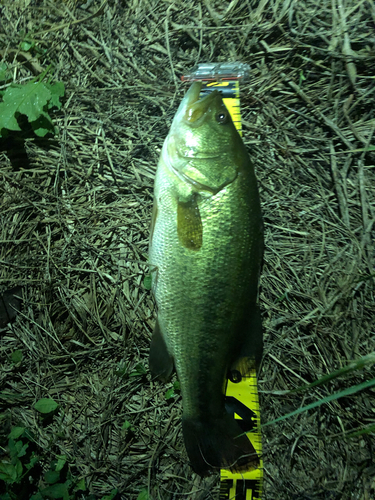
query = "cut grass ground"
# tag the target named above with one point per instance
(75, 215)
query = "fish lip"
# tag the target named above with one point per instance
(192, 95)
(196, 104)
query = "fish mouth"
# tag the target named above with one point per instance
(196, 107)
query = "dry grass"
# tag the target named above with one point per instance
(75, 213)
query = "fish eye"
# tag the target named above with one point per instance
(222, 117)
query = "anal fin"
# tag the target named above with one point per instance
(251, 344)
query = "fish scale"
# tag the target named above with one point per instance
(206, 288)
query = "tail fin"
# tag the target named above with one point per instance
(218, 443)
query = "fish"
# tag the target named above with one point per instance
(205, 257)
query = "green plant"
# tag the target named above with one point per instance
(35, 99)
(138, 371)
(143, 495)
(173, 391)
(46, 406)
(147, 281)
(302, 78)
(19, 461)
(127, 426)
(21, 472)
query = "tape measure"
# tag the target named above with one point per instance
(242, 401)
(241, 396)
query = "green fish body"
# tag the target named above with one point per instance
(206, 247)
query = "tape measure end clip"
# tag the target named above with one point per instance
(218, 72)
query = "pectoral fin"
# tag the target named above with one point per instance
(160, 361)
(189, 224)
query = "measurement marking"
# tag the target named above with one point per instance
(242, 397)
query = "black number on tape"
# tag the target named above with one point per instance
(233, 405)
(248, 484)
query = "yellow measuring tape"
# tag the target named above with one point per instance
(241, 395)
(242, 400)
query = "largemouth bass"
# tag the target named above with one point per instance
(206, 247)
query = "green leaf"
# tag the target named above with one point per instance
(27, 99)
(61, 461)
(81, 485)
(8, 472)
(14, 447)
(16, 432)
(302, 78)
(176, 385)
(128, 426)
(43, 125)
(111, 495)
(147, 281)
(7, 118)
(173, 391)
(19, 468)
(22, 451)
(59, 490)
(37, 496)
(45, 405)
(26, 45)
(283, 297)
(16, 356)
(7, 497)
(52, 476)
(170, 393)
(33, 460)
(121, 372)
(140, 370)
(11, 473)
(57, 90)
(143, 495)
